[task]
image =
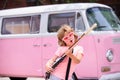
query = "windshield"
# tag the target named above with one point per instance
(104, 17)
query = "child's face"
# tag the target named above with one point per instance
(68, 38)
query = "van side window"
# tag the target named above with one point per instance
(79, 23)
(56, 20)
(21, 25)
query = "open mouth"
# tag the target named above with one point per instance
(71, 41)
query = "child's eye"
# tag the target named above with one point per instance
(65, 38)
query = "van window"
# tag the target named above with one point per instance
(79, 23)
(104, 17)
(56, 20)
(21, 25)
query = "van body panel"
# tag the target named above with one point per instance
(21, 54)
(104, 42)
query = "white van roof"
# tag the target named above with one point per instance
(49, 8)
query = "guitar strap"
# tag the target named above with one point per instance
(68, 70)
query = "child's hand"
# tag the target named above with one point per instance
(49, 66)
(68, 52)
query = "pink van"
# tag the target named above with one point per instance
(28, 39)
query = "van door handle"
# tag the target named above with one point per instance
(46, 45)
(36, 45)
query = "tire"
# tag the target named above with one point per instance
(16, 78)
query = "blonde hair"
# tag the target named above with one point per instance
(64, 28)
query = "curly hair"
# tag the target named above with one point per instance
(64, 28)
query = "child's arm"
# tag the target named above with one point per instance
(50, 63)
(76, 58)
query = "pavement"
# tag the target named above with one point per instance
(6, 78)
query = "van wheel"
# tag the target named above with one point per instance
(16, 78)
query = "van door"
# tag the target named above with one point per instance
(75, 20)
(107, 39)
(20, 46)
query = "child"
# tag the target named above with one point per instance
(66, 37)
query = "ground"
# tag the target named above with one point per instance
(6, 78)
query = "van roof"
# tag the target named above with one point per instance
(49, 8)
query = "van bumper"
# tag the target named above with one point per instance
(113, 76)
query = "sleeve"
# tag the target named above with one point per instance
(80, 50)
